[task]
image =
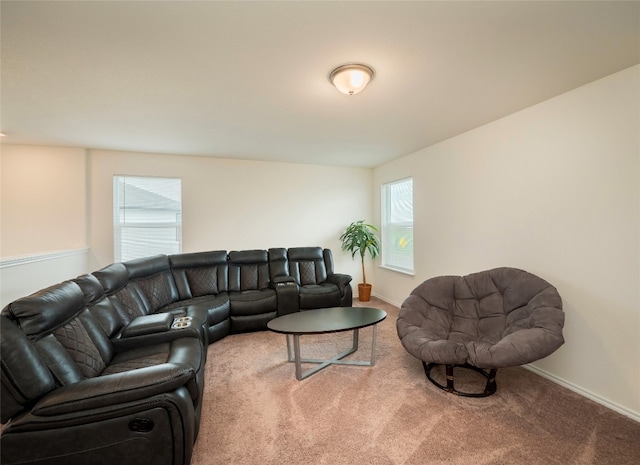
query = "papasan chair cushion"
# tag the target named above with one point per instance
(487, 320)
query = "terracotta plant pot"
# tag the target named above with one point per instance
(364, 292)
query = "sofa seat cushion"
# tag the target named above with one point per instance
(186, 351)
(138, 358)
(319, 296)
(253, 302)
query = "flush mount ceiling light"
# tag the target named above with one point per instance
(351, 78)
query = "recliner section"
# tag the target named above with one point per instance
(62, 377)
(253, 301)
(312, 270)
(109, 366)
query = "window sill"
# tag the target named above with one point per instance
(397, 270)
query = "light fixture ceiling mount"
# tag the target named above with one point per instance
(351, 78)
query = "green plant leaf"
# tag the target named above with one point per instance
(361, 238)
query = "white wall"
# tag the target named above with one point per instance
(238, 205)
(27, 274)
(57, 208)
(555, 190)
(43, 199)
(43, 231)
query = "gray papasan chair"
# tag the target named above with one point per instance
(483, 321)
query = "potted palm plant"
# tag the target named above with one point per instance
(360, 238)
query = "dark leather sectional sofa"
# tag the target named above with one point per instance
(108, 368)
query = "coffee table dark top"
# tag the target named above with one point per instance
(326, 320)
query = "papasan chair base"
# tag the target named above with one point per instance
(489, 388)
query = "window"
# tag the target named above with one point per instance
(147, 216)
(397, 225)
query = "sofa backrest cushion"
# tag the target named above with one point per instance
(41, 312)
(107, 311)
(153, 277)
(112, 277)
(58, 360)
(132, 300)
(74, 337)
(306, 265)
(76, 350)
(91, 288)
(126, 293)
(110, 315)
(201, 273)
(328, 260)
(248, 270)
(278, 264)
(147, 266)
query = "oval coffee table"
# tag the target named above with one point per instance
(327, 320)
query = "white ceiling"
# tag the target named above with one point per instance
(249, 79)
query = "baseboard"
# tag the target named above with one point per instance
(585, 393)
(377, 296)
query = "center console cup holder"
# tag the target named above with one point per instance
(181, 322)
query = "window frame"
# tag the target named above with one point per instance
(118, 226)
(387, 225)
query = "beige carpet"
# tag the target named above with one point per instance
(256, 412)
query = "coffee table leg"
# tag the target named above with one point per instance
(373, 345)
(336, 360)
(296, 353)
(289, 353)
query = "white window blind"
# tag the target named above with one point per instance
(147, 216)
(397, 225)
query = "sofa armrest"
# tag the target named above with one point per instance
(287, 292)
(340, 280)
(117, 388)
(148, 324)
(123, 343)
(343, 282)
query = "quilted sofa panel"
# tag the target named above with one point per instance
(201, 273)
(74, 338)
(306, 265)
(153, 277)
